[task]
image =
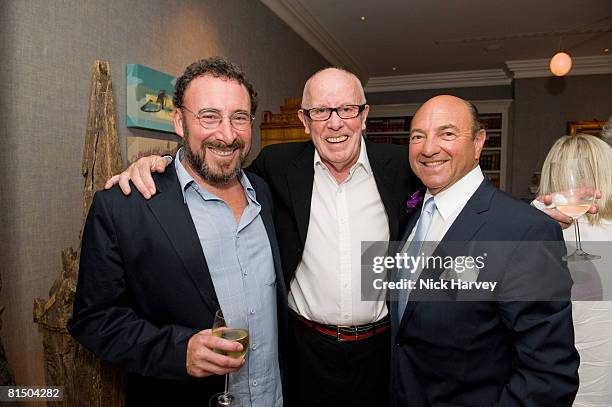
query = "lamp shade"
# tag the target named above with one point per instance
(560, 64)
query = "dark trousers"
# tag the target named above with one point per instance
(325, 372)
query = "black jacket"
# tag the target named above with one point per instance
(144, 289)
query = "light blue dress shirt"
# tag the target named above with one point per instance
(239, 258)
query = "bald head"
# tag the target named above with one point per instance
(457, 104)
(336, 139)
(331, 77)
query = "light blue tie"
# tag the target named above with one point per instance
(429, 208)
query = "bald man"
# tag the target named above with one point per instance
(479, 353)
(331, 194)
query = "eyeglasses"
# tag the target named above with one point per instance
(211, 119)
(320, 114)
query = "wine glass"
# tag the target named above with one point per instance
(575, 194)
(235, 330)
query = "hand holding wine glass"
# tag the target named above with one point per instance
(204, 357)
(575, 195)
(235, 330)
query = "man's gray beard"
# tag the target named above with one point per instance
(199, 165)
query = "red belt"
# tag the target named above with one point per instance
(346, 333)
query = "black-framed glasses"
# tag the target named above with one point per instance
(211, 119)
(320, 114)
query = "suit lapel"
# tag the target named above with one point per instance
(466, 226)
(384, 177)
(411, 224)
(174, 217)
(300, 178)
(470, 219)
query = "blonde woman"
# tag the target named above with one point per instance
(592, 319)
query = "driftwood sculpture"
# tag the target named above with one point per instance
(6, 375)
(87, 380)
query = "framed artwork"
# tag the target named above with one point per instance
(149, 98)
(143, 146)
(592, 127)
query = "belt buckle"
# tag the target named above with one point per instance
(338, 327)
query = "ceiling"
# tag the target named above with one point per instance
(432, 36)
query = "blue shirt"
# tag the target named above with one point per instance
(239, 258)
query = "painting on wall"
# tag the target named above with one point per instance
(149, 98)
(143, 146)
(592, 127)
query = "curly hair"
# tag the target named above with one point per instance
(217, 67)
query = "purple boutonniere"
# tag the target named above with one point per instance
(415, 200)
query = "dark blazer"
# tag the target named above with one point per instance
(507, 353)
(144, 289)
(288, 168)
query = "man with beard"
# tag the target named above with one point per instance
(154, 272)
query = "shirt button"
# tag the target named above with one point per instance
(254, 346)
(254, 382)
(252, 311)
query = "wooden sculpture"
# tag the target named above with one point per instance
(86, 379)
(6, 375)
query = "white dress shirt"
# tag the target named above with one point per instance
(327, 283)
(449, 204)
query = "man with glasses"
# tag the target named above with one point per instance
(330, 194)
(153, 273)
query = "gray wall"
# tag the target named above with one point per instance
(542, 108)
(48, 48)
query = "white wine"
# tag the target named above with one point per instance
(574, 211)
(235, 335)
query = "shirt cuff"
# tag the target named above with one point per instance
(539, 205)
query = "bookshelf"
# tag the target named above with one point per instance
(283, 127)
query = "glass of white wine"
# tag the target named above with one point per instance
(575, 193)
(235, 330)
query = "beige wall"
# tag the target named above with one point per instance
(48, 48)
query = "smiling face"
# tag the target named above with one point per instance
(442, 147)
(216, 155)
(337, 140)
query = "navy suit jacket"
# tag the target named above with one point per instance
(144, 289)
(488, 353)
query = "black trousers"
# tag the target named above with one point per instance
(325, 372)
